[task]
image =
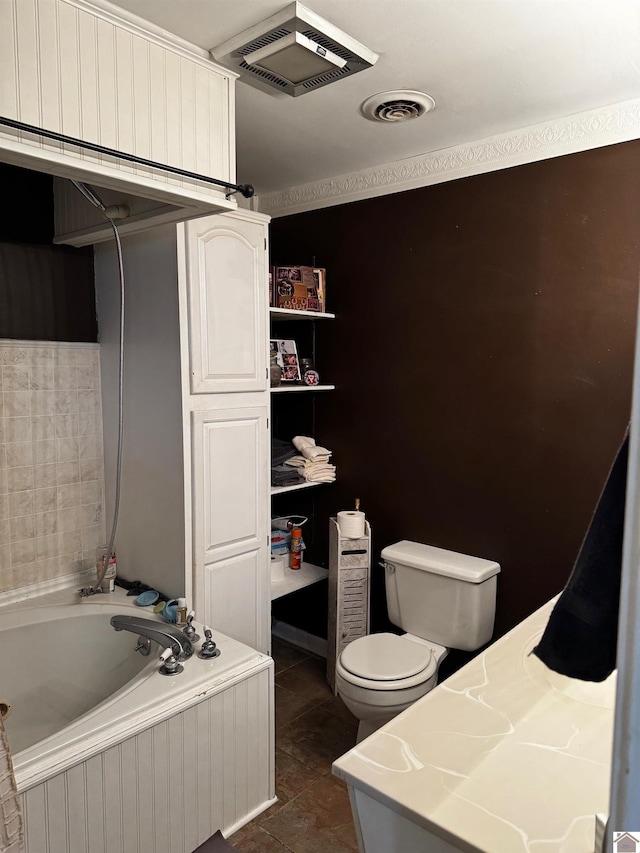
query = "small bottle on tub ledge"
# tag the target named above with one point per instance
(108, 582)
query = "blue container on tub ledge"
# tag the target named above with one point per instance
(170, 612)
(147, 598)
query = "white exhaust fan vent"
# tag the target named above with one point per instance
(294, 51)
(401, 105)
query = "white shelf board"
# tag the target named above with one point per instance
(294, 314)
(297, 579)
(278, 490)
(288, 389)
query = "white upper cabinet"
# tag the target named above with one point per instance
(92, 72)
(228, 297)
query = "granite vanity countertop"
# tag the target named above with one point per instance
(505, 756)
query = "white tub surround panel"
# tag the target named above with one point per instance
(169, 788)
(159, 764)
(51, 461)
(83, 70)
(503, 755)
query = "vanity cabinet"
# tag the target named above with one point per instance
(194, 514)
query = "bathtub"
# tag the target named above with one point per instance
(110, 755)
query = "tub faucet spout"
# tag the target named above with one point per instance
(167, 636)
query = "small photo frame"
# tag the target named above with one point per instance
(286, 354)
(319, 277)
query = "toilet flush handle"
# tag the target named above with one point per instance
(388, 566)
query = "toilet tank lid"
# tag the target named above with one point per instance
(440, 561)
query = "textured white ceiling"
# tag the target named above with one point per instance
(492, 66)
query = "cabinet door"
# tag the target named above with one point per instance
(228, 303)
(230, 515)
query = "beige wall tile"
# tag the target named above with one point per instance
(23, 527)
(21, 503)
(19, 454)
(45, 500)
(17, 404)
(16, 429)
(43, 427)
(51, 462)
(44, 452)
(19, 479)
(15, 377)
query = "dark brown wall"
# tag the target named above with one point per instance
(483, 356)
(46, 292)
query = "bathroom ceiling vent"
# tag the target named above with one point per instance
(294, 52)
(401, 105)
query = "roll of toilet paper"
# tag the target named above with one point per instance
(279, 564)
(351, 524)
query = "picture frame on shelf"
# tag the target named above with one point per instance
(319, 277)
(272, 288)
(297, 288)
(286, 353)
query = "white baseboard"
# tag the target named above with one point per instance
(300, 638)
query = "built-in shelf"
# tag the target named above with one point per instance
(278, 490)
(287, 389)
(293, 314)
(297, 579)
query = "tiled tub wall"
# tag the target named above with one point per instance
(51, 461)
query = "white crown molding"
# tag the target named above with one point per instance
(569, 135)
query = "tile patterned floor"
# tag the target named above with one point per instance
(313, 728)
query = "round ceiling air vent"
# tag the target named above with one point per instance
(401, 105)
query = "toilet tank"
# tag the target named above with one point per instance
(440, 595)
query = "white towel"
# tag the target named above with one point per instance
(309, 449)
(316, 472)
(321, 477)
(11, 826)
(297, 462)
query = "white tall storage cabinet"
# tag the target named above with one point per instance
(226, 285)
(195, 489)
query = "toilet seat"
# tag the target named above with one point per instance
(386, 662)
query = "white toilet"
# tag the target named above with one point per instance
(442, 600)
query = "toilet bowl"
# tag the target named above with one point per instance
(440, 600)
(380, 675)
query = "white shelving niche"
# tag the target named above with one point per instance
(308, 573)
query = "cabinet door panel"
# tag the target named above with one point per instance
(227, 281)
(231, 606)
(230, 462)
(230, 517)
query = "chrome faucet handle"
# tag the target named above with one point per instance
(143, 646)
(189, 630)
(170, 665)
(208, 649)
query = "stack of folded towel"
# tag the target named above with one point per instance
(281, 474)
(312, 463)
